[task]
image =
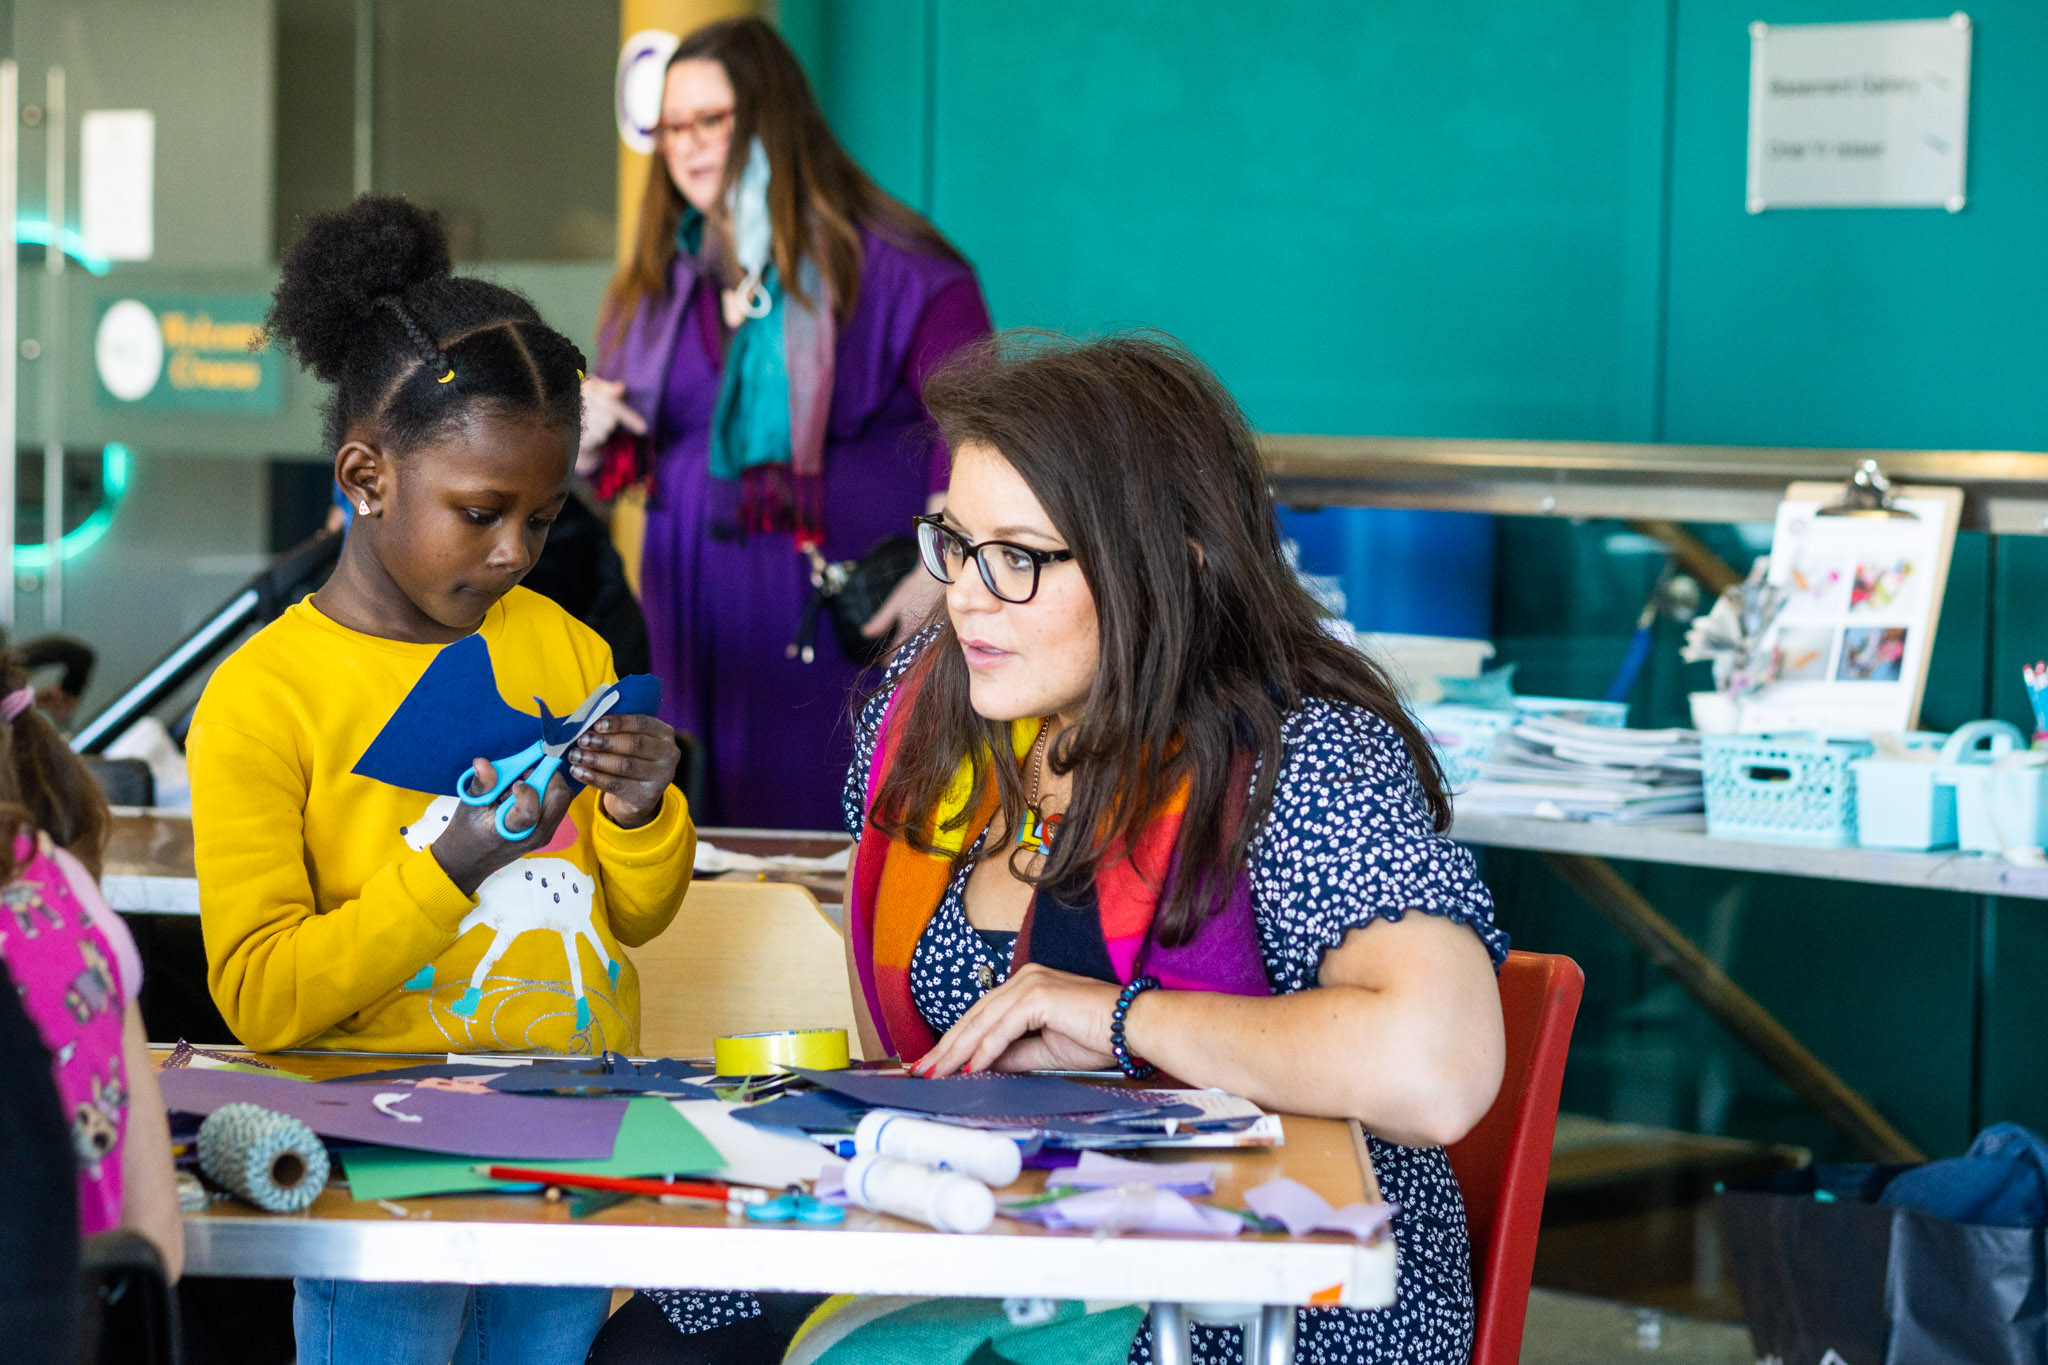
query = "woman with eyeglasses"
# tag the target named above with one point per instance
(762, 358)
(1128, 805)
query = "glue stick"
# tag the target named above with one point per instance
(988, 1157)
(945, 1200)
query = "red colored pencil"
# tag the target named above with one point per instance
(716, 1190)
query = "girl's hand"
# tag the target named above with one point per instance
(909, 605)
(604, 411)
(632, 760)
(1038, 1019)
(471, 848)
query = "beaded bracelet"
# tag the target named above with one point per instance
(1135, 1067)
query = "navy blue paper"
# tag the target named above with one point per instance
(455, 715)
(983, 1095)
(811, 1111)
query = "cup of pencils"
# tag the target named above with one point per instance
(2036, 678)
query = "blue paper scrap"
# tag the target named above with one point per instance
(983, 1095)
(455, 715)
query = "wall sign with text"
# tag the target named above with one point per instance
(194, 353)
(1859, 115)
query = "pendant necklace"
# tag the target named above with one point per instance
(1036, 830)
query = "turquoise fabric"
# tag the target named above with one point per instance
(750, 421)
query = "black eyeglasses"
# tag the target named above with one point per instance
(1010, 571)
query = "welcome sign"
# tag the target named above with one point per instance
(188, 352)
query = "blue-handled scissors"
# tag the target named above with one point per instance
(536, 764)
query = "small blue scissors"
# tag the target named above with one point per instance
(536, 764)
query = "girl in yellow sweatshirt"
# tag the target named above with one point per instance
(342, 911)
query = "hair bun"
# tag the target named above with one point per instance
(343, 263)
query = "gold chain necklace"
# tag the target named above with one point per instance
(1036, 830)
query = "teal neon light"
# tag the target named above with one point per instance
(114, 462)
(36, 232)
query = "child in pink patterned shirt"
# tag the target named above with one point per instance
(75, 967)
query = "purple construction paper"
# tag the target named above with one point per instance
(983, 1095)
(515, 1127)
(427, 1071)
(1099, 1170)
(1303, 1210)
(1133, 1209)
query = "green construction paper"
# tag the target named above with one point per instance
(653, 1140)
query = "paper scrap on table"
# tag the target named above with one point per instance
(654, 1140)
(514, 1127)
(712, 860)
(753, 1155)
(810, 1111)
(1303, 1210)
(1134, 1208)
(540, 1079)
(1099, 1170)
(983, 1095)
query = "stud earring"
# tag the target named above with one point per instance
(363, 508)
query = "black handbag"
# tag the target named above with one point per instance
(851, 591)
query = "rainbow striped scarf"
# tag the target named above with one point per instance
(896, 889)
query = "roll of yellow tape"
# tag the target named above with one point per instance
(764, 1054)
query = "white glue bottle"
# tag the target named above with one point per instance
(989, 1157)
(945, 1200)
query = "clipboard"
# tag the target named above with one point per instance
(1866, 568)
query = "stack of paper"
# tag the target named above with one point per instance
(1567, 770)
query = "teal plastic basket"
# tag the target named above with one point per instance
(1784, 789)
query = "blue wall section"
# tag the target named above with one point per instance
(1524, 218)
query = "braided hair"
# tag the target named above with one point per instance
(368, 302)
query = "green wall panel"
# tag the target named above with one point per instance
(1859, 327)
(1399, 218)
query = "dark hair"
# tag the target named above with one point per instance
(366, 301)
(1150, 473)
(818, 196)
(44, 785)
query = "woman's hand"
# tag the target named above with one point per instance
(604, 411)
(471, 848)
(1038, 1019)
(632, 760)
(913, 602)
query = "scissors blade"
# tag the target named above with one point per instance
(583, 717)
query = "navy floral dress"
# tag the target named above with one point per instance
(1347, 841)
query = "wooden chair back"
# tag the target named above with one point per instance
(742, 957)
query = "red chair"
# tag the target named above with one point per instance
(1503, 1163)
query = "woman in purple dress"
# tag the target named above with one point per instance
(763, 356)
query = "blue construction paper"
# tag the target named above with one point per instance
(537, 1079)
(812, 1111)
(455, 715)
(984, 1094)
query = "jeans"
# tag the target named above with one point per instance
(343, 1322)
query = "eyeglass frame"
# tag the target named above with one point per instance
(1039, 558)
(701, 129)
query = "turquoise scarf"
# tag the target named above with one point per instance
(775, 391)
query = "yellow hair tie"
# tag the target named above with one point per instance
(579, 374)
(446, 377)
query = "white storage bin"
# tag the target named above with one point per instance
(1901, 803)
(2001, 804)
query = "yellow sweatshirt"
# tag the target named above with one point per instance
(328, 922)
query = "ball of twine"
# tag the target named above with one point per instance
(270, 1159)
